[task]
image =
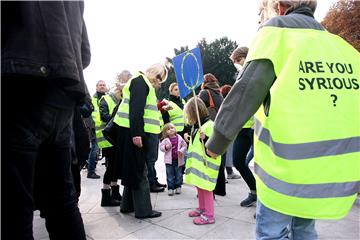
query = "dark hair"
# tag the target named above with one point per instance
(224, 90)
(240, 52)
(210, 79)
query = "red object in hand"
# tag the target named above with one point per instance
(160, 105)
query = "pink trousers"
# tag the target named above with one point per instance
(206, 202)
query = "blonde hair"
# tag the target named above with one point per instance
(165, 129)
(190, 110)
(267, 10)
(171, 87)
(156, 73)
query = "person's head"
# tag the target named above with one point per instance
(224, 90)
(272, 8)
(157, 74)
(190, 110)
(120, 81)
(168, 130)
(238, 57)
(174, 89)
(101, 86)
(210, 81)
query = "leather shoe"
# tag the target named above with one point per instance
(160, 184)
(126, 210)
(93, 176)
(154, 188)
(153, 214)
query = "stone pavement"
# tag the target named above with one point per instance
(232, 221)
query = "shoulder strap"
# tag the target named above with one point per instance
(211, 101)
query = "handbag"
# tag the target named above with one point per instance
(109, 130)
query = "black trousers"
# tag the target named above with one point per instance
(138, 200)
(36, 166)
(242, 145)
(110, 174)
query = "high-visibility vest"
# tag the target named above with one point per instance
(176, 116)
(197, 173)
(95, 115)
(101, 140)
(152, 115)
(307, 146)
(249, 123)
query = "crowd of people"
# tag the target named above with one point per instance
(306, 153)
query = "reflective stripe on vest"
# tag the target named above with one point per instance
(101, 140)
(197, 173)
(176, 116)
(307, 151)
(151, 117)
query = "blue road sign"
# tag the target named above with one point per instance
(188, 71)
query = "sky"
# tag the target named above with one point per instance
(134, 34)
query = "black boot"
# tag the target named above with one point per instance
(107, 200)
(115, 193)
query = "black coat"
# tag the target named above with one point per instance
(45, 39)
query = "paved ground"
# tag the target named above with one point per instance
(232, 221)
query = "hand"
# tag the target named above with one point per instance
(211, 154)
(180, 154)
(168, 146)
(167, 107)
(186, 137)
(137, 141)
(202, 135)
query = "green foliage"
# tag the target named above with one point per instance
(215, 58)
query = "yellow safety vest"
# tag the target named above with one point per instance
(152, 115)
(307, 147)
(197, 173)
(101, 140)
(176, 116)
(249, 123)
(95, 115)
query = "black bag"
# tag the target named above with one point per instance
(109, 131)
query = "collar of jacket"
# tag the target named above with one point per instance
(176, 100)
(300, 10)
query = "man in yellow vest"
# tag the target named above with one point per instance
(100, 91)
(304, 84)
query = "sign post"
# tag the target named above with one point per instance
(189, 75)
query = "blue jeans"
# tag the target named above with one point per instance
(92, 155)
(274, 225)
(37, 159)
(151, 148)
(249, 155)
(174, 175)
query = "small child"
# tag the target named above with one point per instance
(174, 147)
(201, 170)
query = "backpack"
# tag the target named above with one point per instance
(212, 109)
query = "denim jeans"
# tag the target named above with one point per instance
(36, 164)
(92, 155)
(152, 147)
(274, 225)
(174, 176)
(250, 155)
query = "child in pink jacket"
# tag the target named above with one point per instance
(174, 147)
